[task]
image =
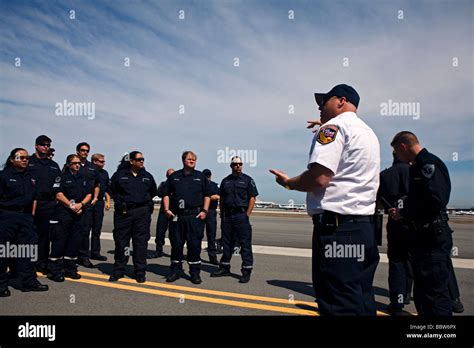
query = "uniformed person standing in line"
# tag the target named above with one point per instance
(211, 218)
(73, 192)
(17, 205)
(393, 190)
(88, 170)
(163, 220)
(186, 202)
(51, 153)
(44, 171)
(132, 189)
(341, 181)
(98, 160)
(238, 194)
(425, 208)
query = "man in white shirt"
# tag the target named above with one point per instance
(341, 184)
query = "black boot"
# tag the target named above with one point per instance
(245, 275)
(221, 272)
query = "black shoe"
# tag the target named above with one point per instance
(221, 272)
(213, 260)
(37, 287)
(56, 277)
(5, 293)
(196, 279)
(245, 277)
(72, 275)
(140, 278)
(12, 275)
(86, 263)
(42, 269)
(174, 276)
(98, 257)
(114, 277)
(407, 300)
(396, 311)
(457, 306)
(155, 254)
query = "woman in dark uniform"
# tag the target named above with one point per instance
(73, 192)
(17, 204)
(132, 189)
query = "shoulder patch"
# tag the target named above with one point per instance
(252, 183)
(428, 170)
(327, 134)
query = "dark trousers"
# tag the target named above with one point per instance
(86, 231)
(453, 283)
(43, 214)
(400, 273)
(97, 219)
(431, 269)
(134, 225)
(237, 227)
(343, 283)
(65, 230)
(17, 229)
(161, 227)
(211, 231)
(190, 230)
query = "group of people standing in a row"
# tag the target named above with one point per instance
(61, 211)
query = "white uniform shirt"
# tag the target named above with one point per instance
(350, 149)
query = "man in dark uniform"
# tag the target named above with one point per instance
(163, 220)
(186, 202)
(211, 218)
(98, 161)
(238, 194)
(393, 189)
(425, 208)
(44, 171)
(88, 170)
(17, 204)
(132, 189)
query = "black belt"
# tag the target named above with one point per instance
(136, 205)
(334, 219)
(45, 197)
(231, 211)
(187, 212)
(17, 209)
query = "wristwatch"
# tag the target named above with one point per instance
(204, 210)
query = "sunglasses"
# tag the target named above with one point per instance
(237, 164)
(101, 161)
(22, 158)
(45, 144)
(141, 159)
(83, 150)
(75, 163)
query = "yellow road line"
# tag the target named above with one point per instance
(197, 298)
(206, 291)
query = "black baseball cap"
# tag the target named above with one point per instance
(207, 173)
(338, 91)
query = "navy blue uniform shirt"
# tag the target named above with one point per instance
(45, 172)
(104, 183)
(214, 190)
(89, 171)
(429, 189)
(74, 186)
(17, 189)
(186, 191)
(236, 191)
(394, 183)
(130, 189)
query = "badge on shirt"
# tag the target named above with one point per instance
(428, 170)
(327, 134)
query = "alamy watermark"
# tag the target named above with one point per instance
(29, 251)
(247, 156)
(393, 108)
(351, 251)
(79, 109)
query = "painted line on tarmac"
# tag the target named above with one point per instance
(298, 252)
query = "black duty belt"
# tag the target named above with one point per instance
(45, 196)
(187, 212)
(17, 209)
(333, 219)
(231, 211)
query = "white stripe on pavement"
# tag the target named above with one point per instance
(299, 252)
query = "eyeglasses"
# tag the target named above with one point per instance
(45, 144)
(237, 164)
(22, 158)
(141, 159)
(83, 150)
(75, 163)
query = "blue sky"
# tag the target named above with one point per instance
(190, 62)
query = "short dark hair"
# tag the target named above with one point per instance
(42, 139)
(81, 145)
(404, 137)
